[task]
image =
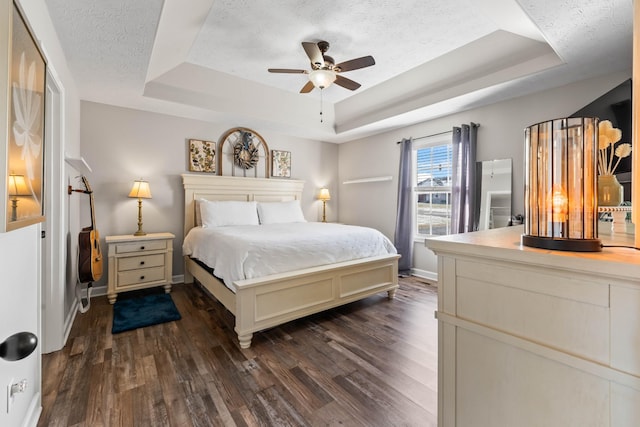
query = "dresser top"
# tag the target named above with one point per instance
(504, 244)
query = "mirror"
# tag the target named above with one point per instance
(495, 193)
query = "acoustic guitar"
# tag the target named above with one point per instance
(89, 255)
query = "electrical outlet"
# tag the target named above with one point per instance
(9, 396)
(12, 389)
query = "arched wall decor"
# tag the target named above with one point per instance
(245, 151)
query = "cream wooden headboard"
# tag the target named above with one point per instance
(214, 187)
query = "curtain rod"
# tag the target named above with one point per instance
(436, 134)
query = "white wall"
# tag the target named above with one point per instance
(499, 136)
(20, 261)
(123, 144)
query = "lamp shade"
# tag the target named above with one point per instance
(561, 185)
(18, 186)
(140, 190)
(322, 78)
(324, 194)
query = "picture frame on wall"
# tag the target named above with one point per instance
(281, 163)
(202, 156)
(24, 165)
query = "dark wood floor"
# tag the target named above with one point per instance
(369, 363)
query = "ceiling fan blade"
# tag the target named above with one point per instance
(346, 83)
(286, 70)
(307, 88)
(314, 53)
(354, 64)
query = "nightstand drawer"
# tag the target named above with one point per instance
(142, 275)
(143, 261)
(154, 245)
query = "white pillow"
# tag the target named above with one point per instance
(280, 212)
(198, 215)
(221, 213)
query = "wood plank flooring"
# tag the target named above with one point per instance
(369, 363)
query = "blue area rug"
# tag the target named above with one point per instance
(134, 313)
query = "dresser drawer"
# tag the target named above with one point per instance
(566, 312)
(142, 261)
(155, 245)
(139, 276)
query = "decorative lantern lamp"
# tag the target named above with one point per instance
(560, 189)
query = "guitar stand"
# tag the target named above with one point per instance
(85, 303)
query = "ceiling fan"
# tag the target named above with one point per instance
(324, 70)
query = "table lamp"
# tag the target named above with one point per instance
(140, 190)
(17, 188)
(561, 202)
(324, 196)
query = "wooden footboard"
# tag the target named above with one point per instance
(273, 300)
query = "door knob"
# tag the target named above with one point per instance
(18, 346)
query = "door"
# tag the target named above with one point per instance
(53, 282)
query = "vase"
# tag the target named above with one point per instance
(610, 191)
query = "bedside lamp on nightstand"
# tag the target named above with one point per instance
(324, 196)
(17, 188)
(140, 190)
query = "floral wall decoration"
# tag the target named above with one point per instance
(24, 172)
(281, 163)
(202, 156)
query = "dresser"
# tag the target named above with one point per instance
(532, 337)
(138, 262)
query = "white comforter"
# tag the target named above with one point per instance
(250, 251)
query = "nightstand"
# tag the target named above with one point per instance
(138, 262)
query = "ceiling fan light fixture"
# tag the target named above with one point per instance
(322, 78)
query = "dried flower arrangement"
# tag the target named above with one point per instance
(607, 138)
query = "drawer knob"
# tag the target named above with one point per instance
(141, 262)
(141, 277)
(142, 248)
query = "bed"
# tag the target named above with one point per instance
(267, 301)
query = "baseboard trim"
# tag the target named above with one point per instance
(33, 413)
(68, 324)
(99, 291)
(424, 274)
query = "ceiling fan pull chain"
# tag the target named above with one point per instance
(321, 105)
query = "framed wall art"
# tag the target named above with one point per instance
(202, 156)
(281, 163)
(23, 125)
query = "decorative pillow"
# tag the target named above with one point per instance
(221, 213)
(280, 212)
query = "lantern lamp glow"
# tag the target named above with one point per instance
(560, 191)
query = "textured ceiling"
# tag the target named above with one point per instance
(209, 60)
(398, 40)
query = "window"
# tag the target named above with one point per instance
(432, 187)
